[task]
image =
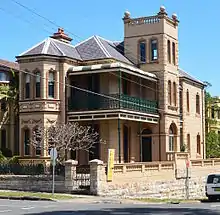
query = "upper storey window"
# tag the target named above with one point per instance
(197, 104)
(4, 76)
(154, 50)
(169, 92)
(174, 53)
(27, 86)
(168, 51)
(51, 85)
(142, 52)
(37, 85)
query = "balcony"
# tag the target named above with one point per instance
(88, 102)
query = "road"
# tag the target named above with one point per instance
(83, 207)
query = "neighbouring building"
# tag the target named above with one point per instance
(213, 115)
(9, 124)
(144, 105)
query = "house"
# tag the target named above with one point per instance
(9, 124)
(132, 92)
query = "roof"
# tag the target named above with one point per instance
(184, 74)
(110, 66)
(94, 48)
(53, 47)
(9, 64)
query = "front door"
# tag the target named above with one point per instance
(146, 149)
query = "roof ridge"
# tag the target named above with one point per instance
(99, 42)
(54, 44)
(23, 53)
(46, 46)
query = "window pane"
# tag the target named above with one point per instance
(27, 90)
(27, 78)
(37, 89)
(26, 142)
(37, 77)
(51, 76)
(4, 76)
(154, 50)
(142, 52)
(51, 90)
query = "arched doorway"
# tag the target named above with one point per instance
(172, 137)
(146, 145)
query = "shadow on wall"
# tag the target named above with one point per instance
(134, 211)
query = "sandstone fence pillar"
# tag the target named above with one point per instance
(70, 174)
(97, 177)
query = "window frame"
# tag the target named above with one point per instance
(174, 94)
(152, 50)
(141, 59)
(26, 142)
(51, 85)
(174, 53)
(198, 144)
(169, 92)
(27, 86)
(197, 103)
(168, 51)
(187, 101)
(37, 84)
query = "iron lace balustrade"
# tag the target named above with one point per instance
(87, 102)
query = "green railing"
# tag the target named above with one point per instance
(88, 102)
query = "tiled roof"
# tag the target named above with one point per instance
(184, 74)
(94, 48)
(53, 47)
(9, 64)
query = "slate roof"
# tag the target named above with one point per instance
(9, 64)
(53, 47)
(94, 48)
(184, 74)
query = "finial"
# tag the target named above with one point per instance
(127, 14)
(174, 16)
(162, 9)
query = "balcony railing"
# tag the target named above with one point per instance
(88, 102)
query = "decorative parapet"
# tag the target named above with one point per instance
(41, 105)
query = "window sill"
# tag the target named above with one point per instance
(198, 115)
(198, 155)
(173, 108)
(154, 61)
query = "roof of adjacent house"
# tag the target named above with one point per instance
(94, 48)
(184, 74)
(9, 64)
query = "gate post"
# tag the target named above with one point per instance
(97, 176)
(70, 174)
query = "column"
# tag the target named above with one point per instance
(70, 174)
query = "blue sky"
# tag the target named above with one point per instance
(199, 30)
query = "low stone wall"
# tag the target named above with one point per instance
(140, 181)
(31, 183)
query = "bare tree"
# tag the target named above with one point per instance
(65, 137)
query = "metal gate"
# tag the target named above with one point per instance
(82, 180)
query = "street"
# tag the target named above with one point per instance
(84, 207)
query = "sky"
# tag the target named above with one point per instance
(199, 30)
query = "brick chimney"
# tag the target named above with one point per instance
(60, 35)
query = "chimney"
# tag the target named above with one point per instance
(60, 35)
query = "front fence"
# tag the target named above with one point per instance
(82, 179)
(30, 169)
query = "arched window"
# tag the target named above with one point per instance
(37, 85)
(26, 142)
(142, 51)
(51, 84)
(198, 144)
(187, 100)
(188, 142)
(174, 93)
(169, 93)
(197, 104)
(168, 52)
(3, 139)
(27, 86)
(174, 53)
(37, 139)
(172, 137)
(154, 49)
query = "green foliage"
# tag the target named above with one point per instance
(183, 147)
(3, 159)
(212, 145)
(14, 160)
